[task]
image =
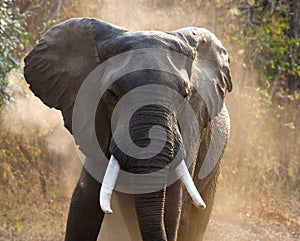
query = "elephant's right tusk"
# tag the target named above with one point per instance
(183, 172)
(108, 184)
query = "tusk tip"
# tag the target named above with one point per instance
(107, 211)
(198, 202)
(202, 206)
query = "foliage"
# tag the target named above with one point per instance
(12, 38)
(267, 33)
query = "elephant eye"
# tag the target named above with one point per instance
(186, 90)
(185, 94)
(111, 94)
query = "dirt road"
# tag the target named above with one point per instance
(229, 222)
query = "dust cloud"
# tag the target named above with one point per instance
(27, 117)
(138, 15)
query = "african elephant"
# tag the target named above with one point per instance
(147, 73)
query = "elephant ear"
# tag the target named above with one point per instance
(211, 57)
(57, 66)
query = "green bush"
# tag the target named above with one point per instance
(12, 38)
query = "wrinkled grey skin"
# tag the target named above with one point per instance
(55, 70)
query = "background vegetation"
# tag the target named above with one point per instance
(261, 167)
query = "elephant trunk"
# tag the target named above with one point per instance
(150, 214)
(149, 196)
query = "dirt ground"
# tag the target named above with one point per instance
(230, 221)
(234, 222)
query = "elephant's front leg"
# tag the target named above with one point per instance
(127, 210)
(85, 217)
(194, 221)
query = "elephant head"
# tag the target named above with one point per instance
(176, 65)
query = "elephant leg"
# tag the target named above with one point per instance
(85, 216)
(173, 210)
(194, 221)
(126, 204)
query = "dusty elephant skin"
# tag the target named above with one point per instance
(157, 142)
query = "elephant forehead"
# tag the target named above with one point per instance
(143, 39)
(178, 81)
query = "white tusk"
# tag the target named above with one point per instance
(108, 184)
(183, 172)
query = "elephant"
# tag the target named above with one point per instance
(150, 142)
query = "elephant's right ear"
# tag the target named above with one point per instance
(210, 55)
(57, 66)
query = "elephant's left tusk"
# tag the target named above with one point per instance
(108, 184)
(183, 172)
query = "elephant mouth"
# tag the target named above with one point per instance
(111, 175)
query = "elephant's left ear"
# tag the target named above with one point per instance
(211, 57)
(58, 65)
